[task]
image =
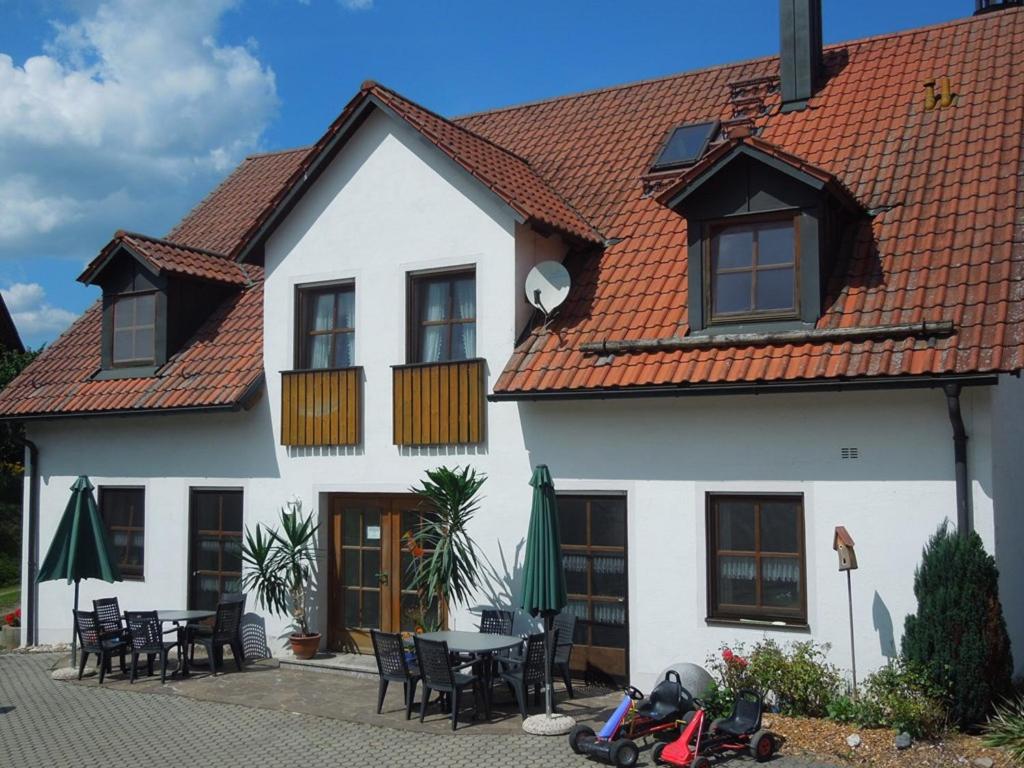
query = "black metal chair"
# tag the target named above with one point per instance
(565, 623)
(92, 639)
(495, 622)
(147, 637)
(520, 672)
(394, 667)
(439, 675)
(224, 631)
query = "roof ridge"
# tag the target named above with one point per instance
(172, 243)
(728, 65)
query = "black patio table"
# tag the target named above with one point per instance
(481, 645)
(180, 619)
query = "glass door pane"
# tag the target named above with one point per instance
(215, 547)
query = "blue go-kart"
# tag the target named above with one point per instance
(660, 713)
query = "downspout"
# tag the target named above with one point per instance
(32, 598)
(956, 420)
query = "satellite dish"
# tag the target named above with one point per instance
(547, 286)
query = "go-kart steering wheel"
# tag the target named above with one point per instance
(634, 693)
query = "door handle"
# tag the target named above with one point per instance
(382, 579)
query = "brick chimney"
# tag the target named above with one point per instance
(800, 63)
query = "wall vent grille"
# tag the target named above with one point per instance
(849, 453)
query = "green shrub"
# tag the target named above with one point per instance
(717, 701)
(958, 634)
(798, 678)
(844, 709)
(902, 696)
(10, 573)
(1006, 729)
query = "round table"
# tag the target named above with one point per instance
(176, 617)
(481, 645)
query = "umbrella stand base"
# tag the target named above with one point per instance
(71, 673)
(548, 725)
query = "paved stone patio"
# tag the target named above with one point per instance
(262, 717)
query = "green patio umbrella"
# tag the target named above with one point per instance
(80, 549)
(543, 575)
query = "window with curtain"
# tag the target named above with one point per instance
(756, 566)
(327, 326)
(753, 270)
(134, 329)
(444, 317)
(124, 512)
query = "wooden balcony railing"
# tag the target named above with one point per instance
(321, 407)
(439, 403)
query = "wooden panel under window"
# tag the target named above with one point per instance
(439, 403)
(321, 407)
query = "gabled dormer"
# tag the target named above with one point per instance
(765, 231)
(156, 294)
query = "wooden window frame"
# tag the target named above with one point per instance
(128, 572)
(303, 295)
(134, 362)
(713, 228)
(753, 613)
(413, 282)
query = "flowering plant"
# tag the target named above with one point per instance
(13, 619)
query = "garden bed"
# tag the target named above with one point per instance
(827, 739)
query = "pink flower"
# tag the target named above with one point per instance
(741, 661)
(727, 654)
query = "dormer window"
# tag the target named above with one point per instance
(752, 270)
(134, 329)
(765, 230)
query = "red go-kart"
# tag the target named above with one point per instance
(738, 733)
(634, 718)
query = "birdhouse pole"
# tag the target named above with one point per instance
(853, 653)
(842, 543)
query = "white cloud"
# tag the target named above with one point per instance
(125, 119)
(357, 5)
(34, 317)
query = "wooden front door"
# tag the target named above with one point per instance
(593, 532)
(370, 559)
(215, 546)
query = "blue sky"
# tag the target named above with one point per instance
(124, 113)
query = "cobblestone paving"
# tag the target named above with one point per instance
(44, 723)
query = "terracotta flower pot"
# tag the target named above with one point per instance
(305, 647)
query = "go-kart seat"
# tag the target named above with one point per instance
(746, 715)
(668, 700)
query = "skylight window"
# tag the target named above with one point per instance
(685, 145)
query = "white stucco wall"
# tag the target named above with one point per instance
(391, 204)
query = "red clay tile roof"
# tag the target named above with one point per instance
(219, 367)
(222, 221)
(164, 256)
(946, 243)
(506, 174)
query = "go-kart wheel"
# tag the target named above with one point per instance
(715, 723)
(701, 762)
(656, 752)
(762, 746)
(578, 735)
(624, 753)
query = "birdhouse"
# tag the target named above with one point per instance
(843, 545)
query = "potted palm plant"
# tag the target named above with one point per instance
(281, 566)
(447, 566)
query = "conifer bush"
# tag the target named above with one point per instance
(958, 635)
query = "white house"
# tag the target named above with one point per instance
(796, 303)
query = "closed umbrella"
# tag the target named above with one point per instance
(543, 576)
(81, 548)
